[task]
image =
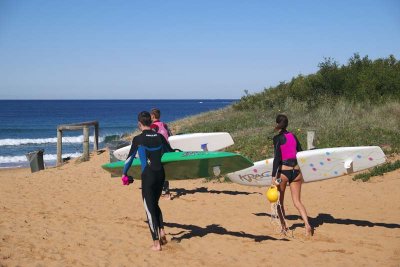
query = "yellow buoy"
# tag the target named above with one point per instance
(272, 194)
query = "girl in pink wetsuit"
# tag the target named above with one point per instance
(161, 128)
(287, 171)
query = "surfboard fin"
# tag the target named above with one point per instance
(204, 147)
(348, 165)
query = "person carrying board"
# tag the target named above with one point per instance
(286, 170)
(161, 128)
(150, 147)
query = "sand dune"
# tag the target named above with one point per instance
(76, 215)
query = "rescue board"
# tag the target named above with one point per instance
(188, 165)
(190, 142)
(315, 165)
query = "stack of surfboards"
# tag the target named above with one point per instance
(199, 159)
(315, 165)
(190, 142)
(188, 165)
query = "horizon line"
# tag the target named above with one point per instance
(119, 99)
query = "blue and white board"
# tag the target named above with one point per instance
(190, 142)
(316, 165)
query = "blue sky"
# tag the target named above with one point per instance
(180, 49)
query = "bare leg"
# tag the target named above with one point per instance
(295, 189)
(281, 209)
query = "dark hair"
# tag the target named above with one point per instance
(156, 112)
(144, 118)
(282, 121)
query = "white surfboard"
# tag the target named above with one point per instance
(201, 141)
(316, 165)
(190, 142)
(320, 164)
(258, 175)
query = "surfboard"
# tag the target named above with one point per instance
(258, 175)
(320, 164)
(201, 141)
(188, 165)
(316, 165)
(190, 142)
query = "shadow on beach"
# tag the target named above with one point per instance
(182, 191)
(197, 231)
(328, 218)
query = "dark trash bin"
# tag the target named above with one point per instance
(35, 160)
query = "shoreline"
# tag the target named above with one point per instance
(14, 169)
(48, 142)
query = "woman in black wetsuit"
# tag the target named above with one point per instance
(150, 146)
(286, 170)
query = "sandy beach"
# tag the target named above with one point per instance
(76, 215)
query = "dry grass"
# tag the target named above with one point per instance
(336, 124)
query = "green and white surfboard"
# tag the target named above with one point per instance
(188, 165)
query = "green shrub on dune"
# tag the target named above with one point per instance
(378, 170)
(361, 80)
(350, 105)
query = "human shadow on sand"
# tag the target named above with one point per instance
(328, 218)
(182, 191)
(197, 231)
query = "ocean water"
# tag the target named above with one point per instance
(30, 125)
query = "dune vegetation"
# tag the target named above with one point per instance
(350, 105)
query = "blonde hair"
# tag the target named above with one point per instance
(156, 113)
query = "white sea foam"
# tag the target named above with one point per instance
(49, 157)
(25, 141)
(11, 167)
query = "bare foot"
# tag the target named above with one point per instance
(284, 228)
(285, 231)
(167, 196)
(156, 247)
(309, 231)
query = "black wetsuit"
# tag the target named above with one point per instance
(279, 142)
(150, 146)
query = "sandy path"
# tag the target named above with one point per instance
(76, 215)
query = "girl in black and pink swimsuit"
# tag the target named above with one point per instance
(286, 170)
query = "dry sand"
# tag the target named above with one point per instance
(76, 215)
